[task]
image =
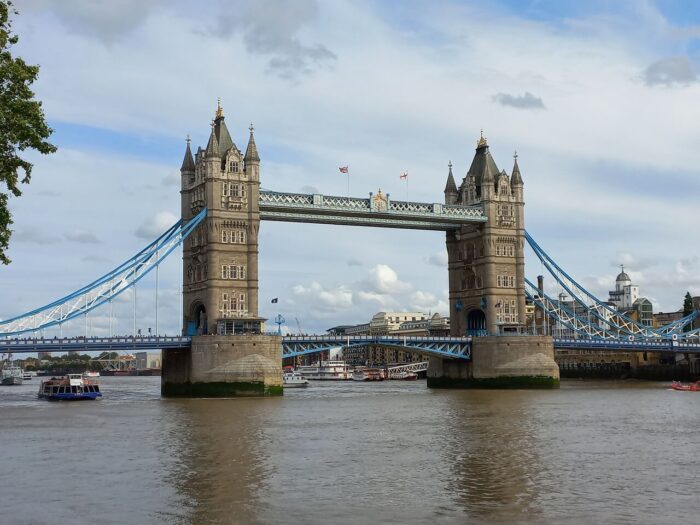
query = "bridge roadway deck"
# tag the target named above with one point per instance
(294, 345)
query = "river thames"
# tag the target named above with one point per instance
(391, 452)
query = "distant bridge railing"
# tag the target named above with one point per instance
(617, 345)
(93, 344)
(446, 347)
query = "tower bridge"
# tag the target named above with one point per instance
(223, 350)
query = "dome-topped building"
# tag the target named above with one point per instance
(625, 293)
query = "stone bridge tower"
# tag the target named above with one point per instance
(220, 257)
(228, 356)
(486, 266)
(486, 262)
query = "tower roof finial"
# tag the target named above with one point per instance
(515, 154)
(251, 128)
(482, 140)
(219, 109)
(188, 139)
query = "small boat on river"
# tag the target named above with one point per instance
(326, 371)
(69, 388)
(12, 375)
(368, 374)
(692, 387)
(292, 379)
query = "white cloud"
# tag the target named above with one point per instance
(82, 236)
(154, 226)
(383, 279)
(334, 298)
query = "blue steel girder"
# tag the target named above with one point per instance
(351, 211)
(445, 347)
(618, 345)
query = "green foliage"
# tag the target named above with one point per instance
(687, 309)
(22, 124)
(687, 304)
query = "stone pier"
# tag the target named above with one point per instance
(499, 362)
(224, 366)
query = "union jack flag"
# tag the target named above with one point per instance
(343, 169)
(404, 175)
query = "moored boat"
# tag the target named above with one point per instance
(88, 374)
(360, 375)
(292, 379)
(69, 388)
(326, 370)
(692, 387)
(12, 375)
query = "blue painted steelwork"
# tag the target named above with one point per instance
(446, 347)
(93, 344)
(377, 210)
(609, 317)
(617, 345)
(107, 287)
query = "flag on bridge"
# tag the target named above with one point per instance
(343, 169)
(275, 300)
(404, 175)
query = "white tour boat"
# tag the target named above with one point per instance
(12, 375)
(292, 379)
(326, 371)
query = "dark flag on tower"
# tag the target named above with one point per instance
(274, 300)
(343, 169)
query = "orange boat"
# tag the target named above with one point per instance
(692, 387)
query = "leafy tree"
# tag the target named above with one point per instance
(22, 124)
(687, 309)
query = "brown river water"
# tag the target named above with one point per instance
(392, 452)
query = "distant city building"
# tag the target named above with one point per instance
(390, 323)
(625, 293)
(145, 360)
(662, 318)
(383, 323)
(44, 355)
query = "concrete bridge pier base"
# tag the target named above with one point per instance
(224, 366)
(499, 362)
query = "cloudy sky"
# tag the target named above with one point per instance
(599, 98)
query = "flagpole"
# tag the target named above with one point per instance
(348, 183)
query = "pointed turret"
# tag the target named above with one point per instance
(515, 178)
(251, 152)
(223, 137)
(213, 144)
(188, 161)
(450, 187)
(483, 167)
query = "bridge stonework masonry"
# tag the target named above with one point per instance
(486, 265)
(484, 222)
